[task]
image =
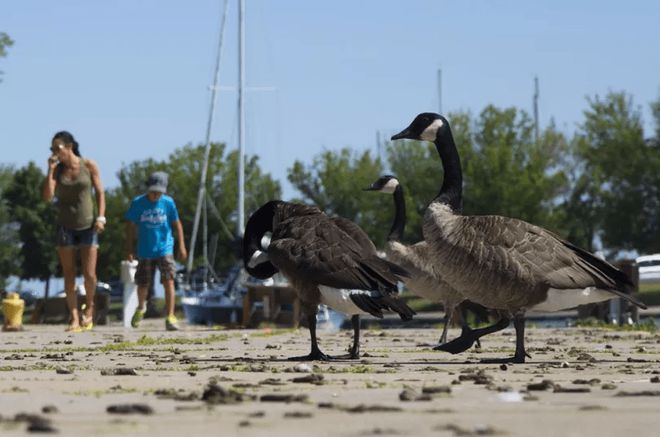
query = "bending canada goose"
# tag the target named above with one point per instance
(501, 262)
(327, 260)
(416, 259)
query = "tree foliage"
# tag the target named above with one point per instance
(617, 191)
(505, 171)
(184, 167)
(335, 182)
(9, 241)
(5, 42)
(36, 219)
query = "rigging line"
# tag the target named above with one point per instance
(216, 213)
(207, 150)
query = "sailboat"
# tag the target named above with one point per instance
(209, 299)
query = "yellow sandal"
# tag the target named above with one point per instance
(73, 329)
(87, 323)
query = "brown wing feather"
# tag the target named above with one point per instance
(314, 246)
(526, 248)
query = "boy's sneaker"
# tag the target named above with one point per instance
(137, 317)
(172, 323)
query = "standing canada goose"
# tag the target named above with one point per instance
(501, 262)
(326, 260)
(416, 259)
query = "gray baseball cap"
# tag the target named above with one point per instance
(157, 182)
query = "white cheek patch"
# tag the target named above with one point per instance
(430, 132)
(265, 240)
(390, 186)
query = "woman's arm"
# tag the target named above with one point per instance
(48, 187)
(95, 174)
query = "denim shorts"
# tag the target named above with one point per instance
(71, 237)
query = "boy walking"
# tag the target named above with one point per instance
(154, 215)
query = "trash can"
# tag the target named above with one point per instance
(130, 299)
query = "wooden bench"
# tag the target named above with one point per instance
(272, 304)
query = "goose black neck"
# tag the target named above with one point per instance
(451, 192)
(399, 224)
(260, 222)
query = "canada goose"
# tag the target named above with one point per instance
(416, 259)
(327, 260)
(504, 263)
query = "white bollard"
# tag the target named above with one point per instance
(130, 300)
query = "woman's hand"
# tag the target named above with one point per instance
(52, 162)
(99, 226)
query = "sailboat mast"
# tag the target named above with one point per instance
(207, 150)
(241, 118)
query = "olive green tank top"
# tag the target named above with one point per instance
(74, 199)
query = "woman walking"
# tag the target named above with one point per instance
(70, 180)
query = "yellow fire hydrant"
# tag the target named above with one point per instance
(12, 308)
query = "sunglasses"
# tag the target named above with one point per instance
(57, 148)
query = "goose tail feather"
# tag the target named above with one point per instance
(629, 298)
(375, 305)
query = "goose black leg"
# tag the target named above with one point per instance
(354, 351)
(464, 324)
(520, 354)
(443, 336)
(469, 336)
(316, 353)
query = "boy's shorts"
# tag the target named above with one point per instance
(147, 266)
(72, 238)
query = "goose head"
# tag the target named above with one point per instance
(256, 240)
(427, 126)
(385, 184)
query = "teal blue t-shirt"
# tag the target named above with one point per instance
(154, 222)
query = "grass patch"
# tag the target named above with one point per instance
(649, 294)
(350, 369)
(145, 340)
(269, 332)
(419, 304)
(649, 288)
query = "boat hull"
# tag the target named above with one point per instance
(199, 311)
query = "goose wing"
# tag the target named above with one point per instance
(355, 232)
(514, 245)
(317, 248)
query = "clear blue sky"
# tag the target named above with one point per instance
(129, 78)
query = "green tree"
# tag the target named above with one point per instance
(618, 182)
(111, 241)
(184, 167)
(36, 220)
(335, 181)
(9, 242)
(505, 171)
(5, 42)
(419, 169)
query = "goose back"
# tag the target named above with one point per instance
(517, 263)
(314, 248)
(424, 281)
(324, 256)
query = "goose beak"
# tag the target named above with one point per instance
(406, 133)
(371, 187)
(258, 257)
